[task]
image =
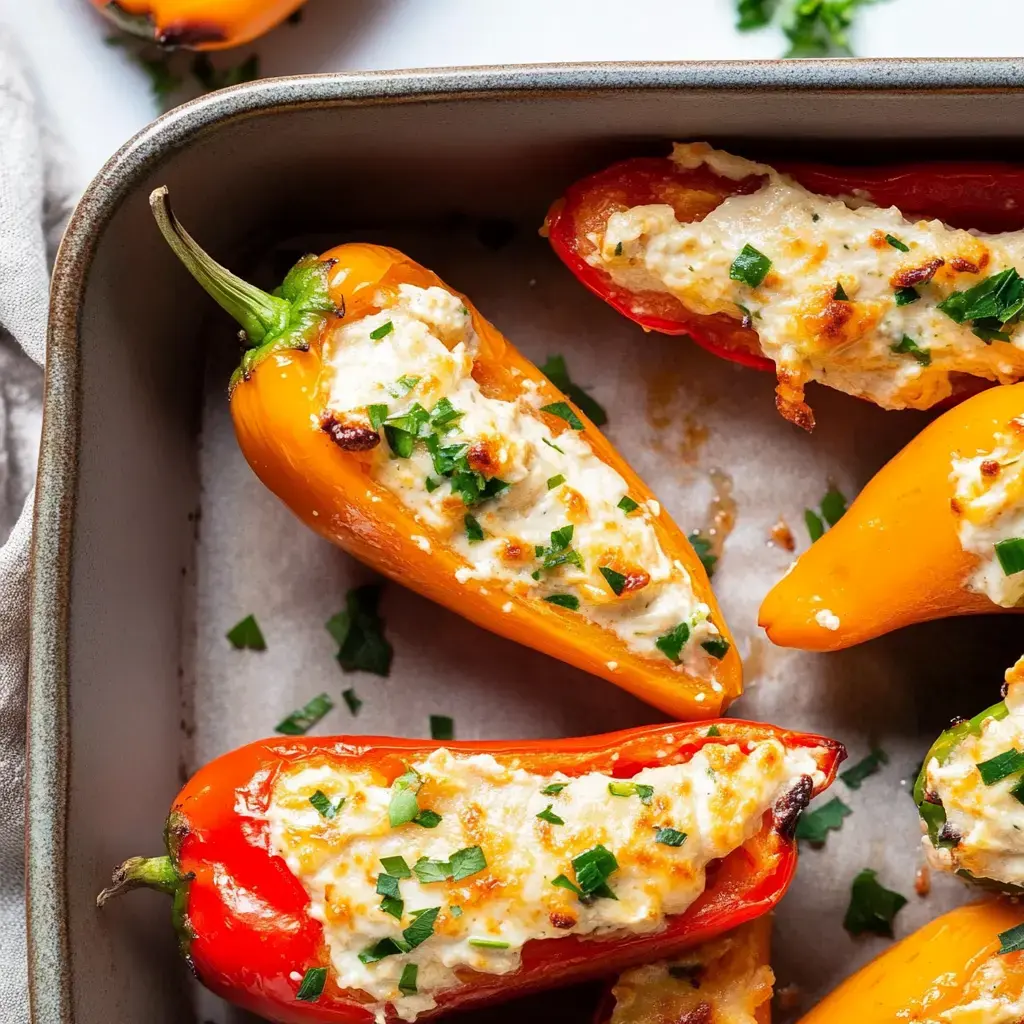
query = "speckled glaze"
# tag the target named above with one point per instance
(925, 99)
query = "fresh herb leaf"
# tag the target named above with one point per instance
(716, 646)
(669, 837)
(549, 816)
(556, 371)
(554, 481)
(422, 928)
(905, 296)
(383, 948)
(247, 635)
(469, 861)
(383, 331)
(488, 943)
(627, 505)
(359, 633)
(322, 803)
(428, 870)
(989, 306)
(856, 774)
(551, 444)
(378, 414)
(474, 531)
(814, 826)
(312, 986)
(702, 548)
(211, 77)
(897, 244)
(752, 14)
(646, 793)
(872, 907)
(1012, 940)
(1010, 553)
(839, 295)
(559, 553)
(407, 982)
(815, 527)
(615, 580)
(817, 28)
(392, 902)
(713, 731)
(404, 806)
(442, 727)
(907, 346)
(304, 718)
(833, 506)
(564, 412)
(455, 911)
(427, 819)
(554, 788)
(672, 643)
(563, 883)
(618, 248)
(352, 700)
(1002, 766)
(396, 866)
(750, 266)
(564, 601)
(593, 869)
(403, 386)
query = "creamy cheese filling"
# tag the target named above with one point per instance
(537, 514)
(985, 821)
(496, 839)
(886, 341)
(992, 996)
(988, 502)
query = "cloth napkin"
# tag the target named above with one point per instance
(33, 209)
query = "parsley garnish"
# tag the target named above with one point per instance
(474, 531)
(750, 266)
(442, 727)
(1002, 766)
(396, 866)
(897, 244)
(303, 719)
(593, 870)
(427, 819)
(990, 306)
(247, 635)
(467, 862)
(907, 346)
(488, 943)
(564, 412)
(713, 731)
(646, 793)
(404, 806)
(392, 902)
(403, 386)
(378, 414)
(428, 870)
(559, 553)
(564, 601)
(1010, 553)
(672, 643)
(455, 911)
(383, 331)
(905, 296)
(556, 371)
(832, 509)
(872, 907)
(422, 928)
(817, 28)
(383, 948)
(351, 698)
(839, 295)
(210, 77)
(359, 633)
(815, 527)
(615, 580)
(553, 788)
(1012, 940)
(554, 481)
(551, 444)
(312, 986)
(549, 816)
(627, 505)
(814, 826)
(669, 837)
(702, 548)
(716, 646)
(322, 803)
(754, 13)
(855, 775)
(618, 248)
(407, 982)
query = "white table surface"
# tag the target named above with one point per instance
(99, 97)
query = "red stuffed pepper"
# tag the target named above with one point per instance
(865, 280)
(342, 880)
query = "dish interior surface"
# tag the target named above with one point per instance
(174, 539)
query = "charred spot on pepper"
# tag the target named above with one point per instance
(788, 807)
(350, 437)
(917, 275)
(559, 919)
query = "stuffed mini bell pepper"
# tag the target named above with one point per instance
(393, 419)
(822, 275)
(939, 531)
(342, 880)
(966, 967)
(726, 981)
(198, 24)
(970, 794)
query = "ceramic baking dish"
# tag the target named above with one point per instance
(120, 674)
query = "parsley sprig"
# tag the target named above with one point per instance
(990, 306)
(558, 553)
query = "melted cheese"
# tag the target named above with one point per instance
(814, 243)
(718, 799)
(992, 995)
(721, 982)
(426, 355)
(988, 502)
(988, 820)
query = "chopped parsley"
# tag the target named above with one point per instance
(422, 928)
(1002, 766)
(396, 866)
(403, 386)
(351, 698)
(814, 826)
(303, 719)
(750, 266)
(672, 643)
(383, 331)
(455, 911)
(646, 793)
(247, 635)
(559, 552)
(442, 727)
(593, 869)
(905, 296)
(549, 816)
(627, 505)
(839, 295)
(378, 413)
(716, 646)
(564, 601)
(312, 986)
(831, 509)
(1012, 940)
(615, 580)
(897, 244)
(407, 982)
(754, 13)
(817, 28)
(553, 788)
(392, 902)
(990, 306)
(815, 527)
(713, 731)
(907, 346)
(323, 804)
(404, 806)
(618, 248)
(385, 947)
(551, 444)
(872, 907)
(564, 412)
(469, 861)
(556, 371)
(427, 819)
(488, 943)
(856, 774)
(554, 481)
(428, 870)
(1010, 553)
(669, 837)
(474, 531)
(358, 631)
(702, 548)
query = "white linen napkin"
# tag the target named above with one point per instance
(32, 212)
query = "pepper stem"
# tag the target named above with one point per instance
(138, 872)
(259, 313)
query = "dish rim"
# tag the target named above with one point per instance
(47, 772)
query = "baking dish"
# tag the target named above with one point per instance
(150, 536)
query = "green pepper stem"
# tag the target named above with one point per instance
(138, 872)
(259, 313)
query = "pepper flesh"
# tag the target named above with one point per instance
(243, 917)
(895, 557)
(988, 196)
(277, 407)
(198, 24)
(929, 973)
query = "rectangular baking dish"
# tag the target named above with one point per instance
(114, 675)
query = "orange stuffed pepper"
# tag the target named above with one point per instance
(938, 532)
(393, 419)
(198, 24)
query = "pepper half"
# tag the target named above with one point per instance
(321, 469)
(896, 557)
(951, 969)
(243, 917)
(198, 24)
(987, 196)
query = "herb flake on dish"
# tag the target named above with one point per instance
(303, 719)
(247, 635)
(556, 371)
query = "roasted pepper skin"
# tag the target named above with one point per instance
(926, 973)
(987, 197)
(895, 557)
(198, 24)
(242, 916)
(276, 405)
